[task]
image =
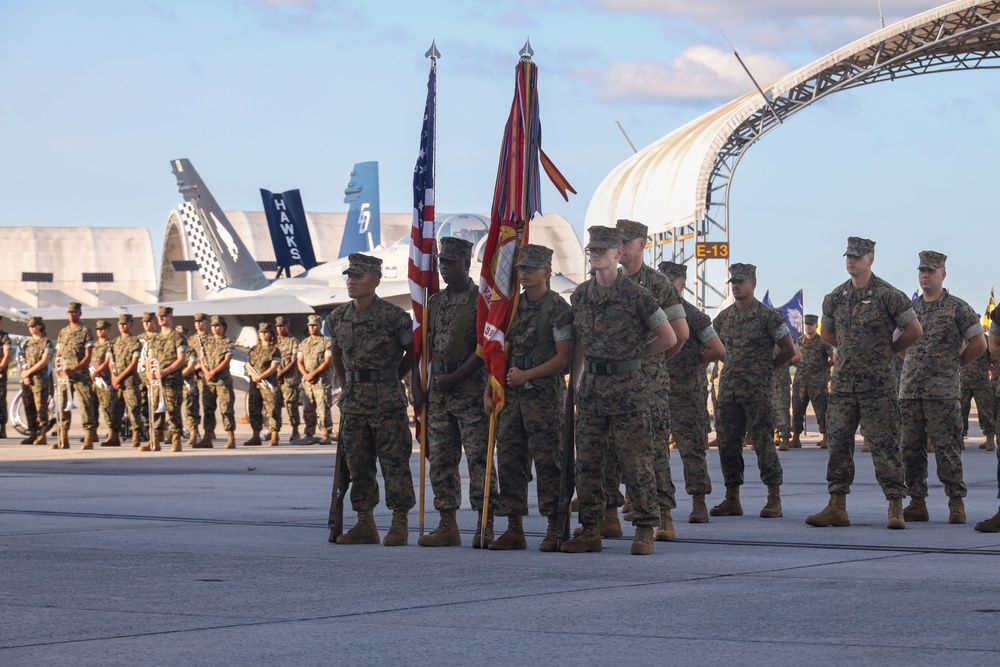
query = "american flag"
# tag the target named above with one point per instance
(422, 269)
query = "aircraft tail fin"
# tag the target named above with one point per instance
(363, 230)
(223, 260)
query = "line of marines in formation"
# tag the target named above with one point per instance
(637, 352)
(155, 376)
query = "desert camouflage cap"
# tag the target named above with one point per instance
(534, 256)
(455, 248)
(605, 237)
(74, 307)
(931, 260)
(360, 263)
(673, 270)
(34, 320)
(200, 317)
(315, 319)
(810, 319)
(219, 320)
(742, 272)
(164, 311)
(125, 318)
(265, 327)
(857, 246)
(101, 324)
(148, 317)
(631, 229)
(281, 321)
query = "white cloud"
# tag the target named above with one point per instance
(698, 73)
(738, 11)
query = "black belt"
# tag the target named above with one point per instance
(443, 367)
(372, 375)
(611, 367)
(524, 363)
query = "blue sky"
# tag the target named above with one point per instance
(283, 94)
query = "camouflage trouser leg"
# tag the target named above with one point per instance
(3, 397)
(104, 398)
(385, 437)
(272, 408)
(173, 397)
(144, 408)
(447, 432)
(666, 492)
(317, 395)
(782, 404)
(984, 408)
(255, 406)
(289, 398)
(689, 424)
(942, 422)
(221, 394)
(802, 393)
(734, 420)
(529, 428)
(629, 436)
(130, 399)
(83, 389)
(878, 414)
(36, 403)
(192, 404)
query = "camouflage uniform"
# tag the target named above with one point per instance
(615, 401)
(312, 351)
(219, 390)
(4, 347)
(124, 349)
(166, 347)
(262, 400)
(812, 382)
(689, 395)
(455, 419)
(196, 394)
(529, 427)
(145, 338)
(36, 406)
(781, 398)
(929, 394)
(107, 398)
(995, 331)
(288, 397)
(374, 423)
(745, 390)
(71, 345)
(975, 383)
(863, 382)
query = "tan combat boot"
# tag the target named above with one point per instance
(990, 444)
(930, 445)
(991, 525)
(642, 545)
(136, 438)
(796, 442)
(865, 447)
(193, 440)
(295, 435)
(834, 514)
(916, 510)
(479, 541)
(748, 440)
(777, 437)
(30, 438)
(611, 526)
(148, 446)
(574, 505)
(175, 441)
(445, 535)
(275, 439)
(204, 443)
(896, 520)
(399, 531)
(364, 531)
(89, 438)
(956, 510)
(512, 538)
(230, 440)
(627, 509)
(665, 532)
(772, 510)
(731, 505)
(822, 441)
(63, 440)
(699, 512)
(783, 444)
(160, 439)
(326, 440)
(589, 540)
(254, 440)
(41, 439)
(551, 536)
(113, 439)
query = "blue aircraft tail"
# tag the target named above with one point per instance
(363, 230)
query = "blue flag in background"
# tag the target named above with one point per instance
(794, 312)
(767, 299)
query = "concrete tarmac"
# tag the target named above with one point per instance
(215, 557)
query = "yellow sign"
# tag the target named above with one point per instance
(711, 250)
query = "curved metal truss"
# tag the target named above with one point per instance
(959, 36)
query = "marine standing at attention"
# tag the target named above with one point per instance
(125, 351)
(75, 345)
